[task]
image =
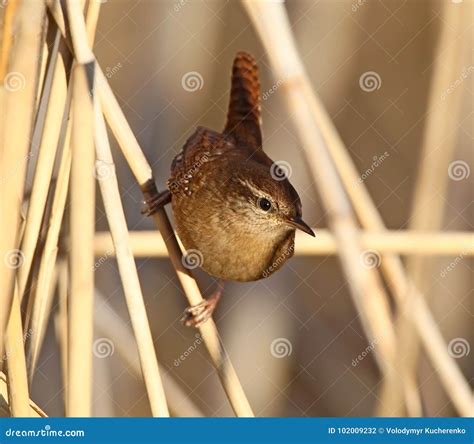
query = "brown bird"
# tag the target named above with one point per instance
(234, 208)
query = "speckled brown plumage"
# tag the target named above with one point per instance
(216, 183)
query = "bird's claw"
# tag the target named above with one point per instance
(196, 315)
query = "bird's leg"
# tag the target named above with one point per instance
(196, 315)
(156, 202)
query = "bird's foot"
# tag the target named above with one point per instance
(157, 202)
(196, 315)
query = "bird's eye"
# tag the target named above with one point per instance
(264, 204)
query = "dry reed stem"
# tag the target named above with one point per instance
(7, 37)
(60, 321)
(110, 325)
(143, 174)
(105, 172)
(371, 220)
(439, 143)
(40, 312)
(18, 395)
(82, 224)
(18, 106)
(35, 411)
(365, 285)
(151, 244)
(55, 100)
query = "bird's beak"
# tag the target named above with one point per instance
(300, 224)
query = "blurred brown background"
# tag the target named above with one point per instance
(146, 48)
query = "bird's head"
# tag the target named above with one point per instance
(264, 197)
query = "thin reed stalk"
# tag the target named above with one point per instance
(35, 411)
(143, 174)
(54, 98)
(151, 244)
(365, 285)
(82, 224)
(371, 220)
(43, 298)
(18, 394)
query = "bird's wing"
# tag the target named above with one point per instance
(204, 146)
(243, 117)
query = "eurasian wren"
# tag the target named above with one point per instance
(233, 206)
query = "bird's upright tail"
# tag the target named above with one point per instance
(243, 117)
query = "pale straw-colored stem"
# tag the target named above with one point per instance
(43, 299)
(5, 411)
(460, 244)
(55, 99)
(365, 285)
(391, 264)
(18, 395)
(82, 225)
